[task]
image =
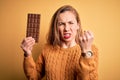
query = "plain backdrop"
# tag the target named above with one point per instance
(100, 16)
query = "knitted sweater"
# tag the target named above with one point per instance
(62, 64)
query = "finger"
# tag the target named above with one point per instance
(30, 43)
(27, 42)
(80, 38)
(30, 40)
(26, 39)
(91, 34)
(84, 38)
(86, 35)
(29, 46)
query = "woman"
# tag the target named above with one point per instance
(68, 54)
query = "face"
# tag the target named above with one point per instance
(67, 26)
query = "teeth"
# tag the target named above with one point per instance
(67, 34)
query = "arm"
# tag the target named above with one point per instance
(88, 65)
(33, 71)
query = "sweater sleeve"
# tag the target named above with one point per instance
(32, 70)
(89, 66)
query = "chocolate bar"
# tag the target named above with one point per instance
(33, 25)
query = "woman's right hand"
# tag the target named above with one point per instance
(27, 45)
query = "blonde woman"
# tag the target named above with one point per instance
(69, 53)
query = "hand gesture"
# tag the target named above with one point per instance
(86, 41)
(27, 45)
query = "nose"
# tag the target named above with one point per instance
(66, 28)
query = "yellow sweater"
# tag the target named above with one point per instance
(62, 64)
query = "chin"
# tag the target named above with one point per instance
(67, 40)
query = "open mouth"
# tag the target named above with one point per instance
(67, 35)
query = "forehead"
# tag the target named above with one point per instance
(66, 16)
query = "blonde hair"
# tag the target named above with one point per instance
(53, 37)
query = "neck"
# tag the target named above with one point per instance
(68, 44)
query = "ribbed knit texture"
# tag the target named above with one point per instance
(62, 64)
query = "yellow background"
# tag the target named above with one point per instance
(100, 16)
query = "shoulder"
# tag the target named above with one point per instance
(47, 48)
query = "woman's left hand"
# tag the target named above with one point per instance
(86, 41)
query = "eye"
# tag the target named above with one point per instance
(71, 22)
(60, 23)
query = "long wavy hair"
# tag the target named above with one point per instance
(53, 37)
